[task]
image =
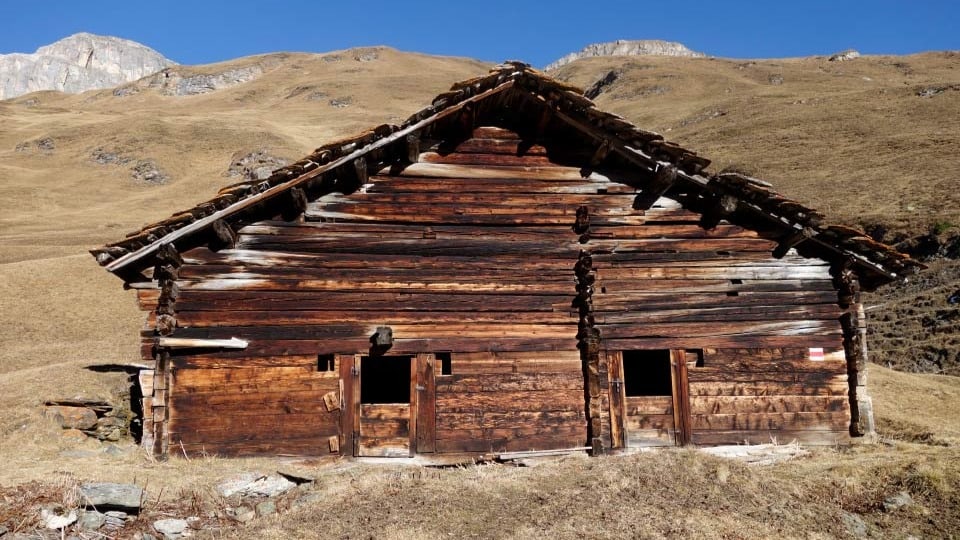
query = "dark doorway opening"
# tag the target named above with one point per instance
(647, 373)
(385, 379)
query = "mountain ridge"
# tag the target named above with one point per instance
(78, 63)
(627, 47)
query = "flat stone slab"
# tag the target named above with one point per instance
(255, 485)
(170, 528)
(109, 496)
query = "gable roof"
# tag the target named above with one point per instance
(517, 97)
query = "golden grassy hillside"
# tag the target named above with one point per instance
(853, 139)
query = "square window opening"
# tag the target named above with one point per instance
(385, 379)
(446, 363)
(326, 363)
(647, 373)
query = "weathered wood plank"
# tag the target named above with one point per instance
(255, 300)
(819, 312)
(518, 172)
(647, 405)
(500, 330)
(530, 400)
(659, 422)
(510, 444)
(386, 184)
(236, 402)
(185, 379)
(384, 411)
(401, 346)
(715, 272)
(647, 438)
(301, 446)
(729, 328)
(476, 158)
(225, 427)
(282, 318)
(722, 341)
(824, 421)
(766, 388)
(571, 379)
(510, 420)
(767, 404)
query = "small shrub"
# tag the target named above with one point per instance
(941, 227)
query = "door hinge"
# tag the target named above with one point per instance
(420, 388)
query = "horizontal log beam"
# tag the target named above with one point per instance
(186, 343)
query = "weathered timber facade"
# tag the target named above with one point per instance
(510, 270)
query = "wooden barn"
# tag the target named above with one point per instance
(510, 270)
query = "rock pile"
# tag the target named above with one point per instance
(82, 417)
(113, 510)
(843, 56)
(43, 145)
(256, 165)
(143, 170)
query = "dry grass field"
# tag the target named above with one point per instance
(855, 139)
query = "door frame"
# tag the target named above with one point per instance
(422, 421)
(680, 389)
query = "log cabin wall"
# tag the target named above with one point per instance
(477, 252)
(760, 337)
(467, 254)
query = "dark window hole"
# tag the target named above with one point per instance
(326, 362)
(385, 379)
(647, 373)
(446, 364)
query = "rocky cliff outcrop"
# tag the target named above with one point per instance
(625, 47)
(78, 63)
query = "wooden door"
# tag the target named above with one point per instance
(424, 414)
(649, 398)
(386, 421)
(681, 396)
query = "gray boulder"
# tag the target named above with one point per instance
(854, 525)
(56, 518)
(848, 54)
(897, 501)
(171, 529)
(91, 520)
(256, 485)
(110, 496)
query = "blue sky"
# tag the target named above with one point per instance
(200, 31)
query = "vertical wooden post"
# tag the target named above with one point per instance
(161, 388)
(853, 324)
(414, 405)
(426, 412)
(681, 396)
(348, 409)
(618, 400)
